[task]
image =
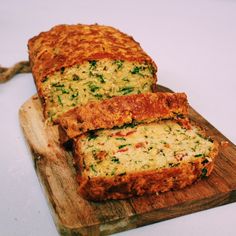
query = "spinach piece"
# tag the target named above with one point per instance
(135, 70)
(57, 85)
(204, 173)
(126, 90)
(119, 64)
(93, 87)
(123, 145)
(93, 64)
(98, 96)
(75, 77)
(64, 91)
(205, 161)
(101, 78)
(62, 70)
(59, 100)
(120, 139)
(174, 164)
(199, 155)
(131, 125)
(93, 168)
(115, 160)
(74, 95)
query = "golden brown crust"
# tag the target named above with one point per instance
(149, 182)
(145, 182)
(121, 110)
(67, 45)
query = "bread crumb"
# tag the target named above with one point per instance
(224, 143)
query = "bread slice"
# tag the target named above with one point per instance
(121, 110)
(142, 159)
(75, 64)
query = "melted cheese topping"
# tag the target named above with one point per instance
(94, 80)
(143, 147)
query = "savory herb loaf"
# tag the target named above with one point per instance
(74, 64)
(142, 159)
(121, 110)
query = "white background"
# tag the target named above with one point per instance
(194, 45)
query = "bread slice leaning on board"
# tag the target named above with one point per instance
(121, 110)
(129, 140)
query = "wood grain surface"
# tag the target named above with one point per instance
(75, 216)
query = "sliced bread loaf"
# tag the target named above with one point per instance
(75, 64)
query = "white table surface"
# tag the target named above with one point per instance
(194, 45)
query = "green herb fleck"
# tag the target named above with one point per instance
(75, 77)
(93, 87)
(62, 70)
(64, 91)
(57, 85)
(93, 64)
(120, 139)
(123, 173)
(205, 161)
(93, 168)
(123, 145)
(119, 64)
(135, 70)
(60, 100)
(115, 160)
(92, 135)
(131, 125)
(98, 96)
(162, 152)
(126, 90)
(146, 166)
(74, 95)
(125, 79)
(199, 155)
(45, 79)
(204, 172)
(101, 78)
(113, 171)
(174, 164)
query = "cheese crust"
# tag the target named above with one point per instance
(121, 110)
(67, 45)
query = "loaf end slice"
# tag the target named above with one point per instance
(75, 64)
(142, 159)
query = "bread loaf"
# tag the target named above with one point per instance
(75, 64)
(142, 159)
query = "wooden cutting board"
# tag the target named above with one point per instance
(75, 216)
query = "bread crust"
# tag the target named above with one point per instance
(144, 182)
(67, 45)
(121, 110)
